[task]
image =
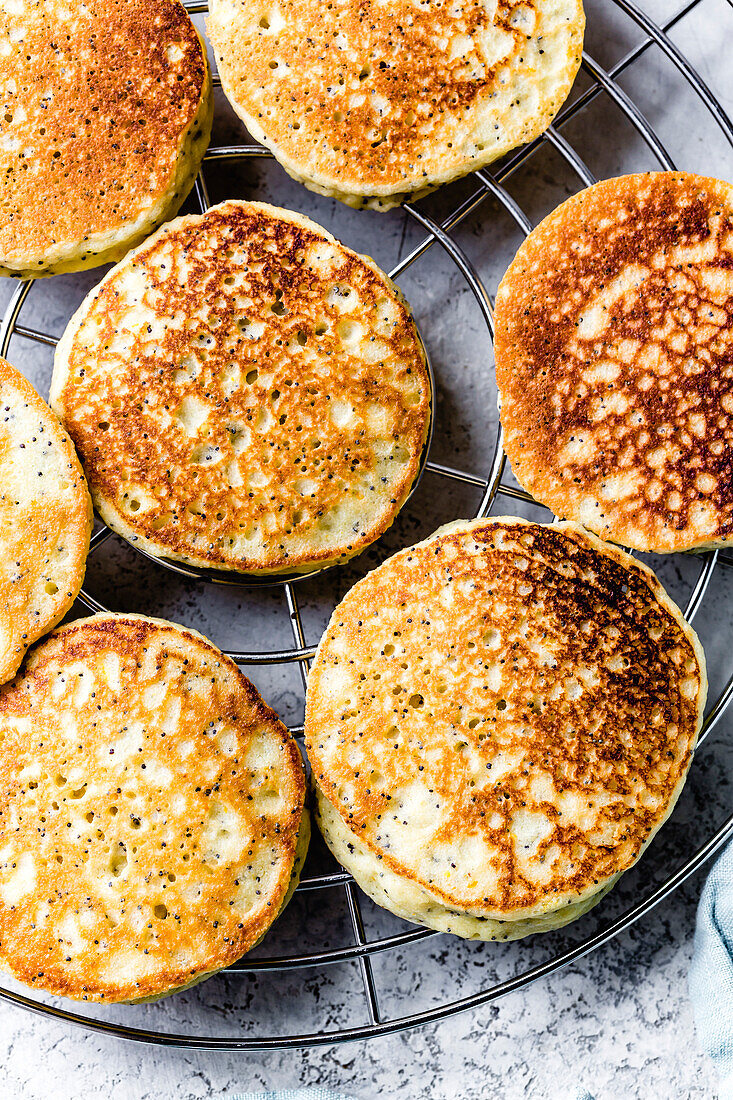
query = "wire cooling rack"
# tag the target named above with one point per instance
(363, 949)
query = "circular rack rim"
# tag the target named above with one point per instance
(489, 184)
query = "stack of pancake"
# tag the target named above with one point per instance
(378, 103)
(498, 719)
(245, 393)
(156, 807)
(104, 120)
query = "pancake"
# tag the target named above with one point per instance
(105, 114)
(614, 347)
(152, 807)
(246, 394)
(499, 720)
(45, 519)
(378, 103)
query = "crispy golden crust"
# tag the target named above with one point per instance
(613, 360)
(150, 810)
(376, 102)
(245, 393)
(98, 109)
(45, 519)
(505, 714)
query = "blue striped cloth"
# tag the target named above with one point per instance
(711, 972)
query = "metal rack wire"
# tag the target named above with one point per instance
(492, 486)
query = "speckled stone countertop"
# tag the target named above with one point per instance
(617, 1022)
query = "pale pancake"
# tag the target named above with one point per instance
(374, 103)
(45, 519)
(613, 359)
(246, 393)
(105, 114)
(151, 811)
(502, 716)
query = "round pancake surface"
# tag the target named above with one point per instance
(151, 805)
(245, 393)
(614, 336)
(381, 102)
(505, 714)
(105, 114)
(45, 519)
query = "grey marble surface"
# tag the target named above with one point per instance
(617, 1022)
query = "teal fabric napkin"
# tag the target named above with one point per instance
(711, 972)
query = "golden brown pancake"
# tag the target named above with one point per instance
(373, 103)
(152, 807)
(614, 360)
(246, 393)
(45, 519)
(501, 717)
(105, 113)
